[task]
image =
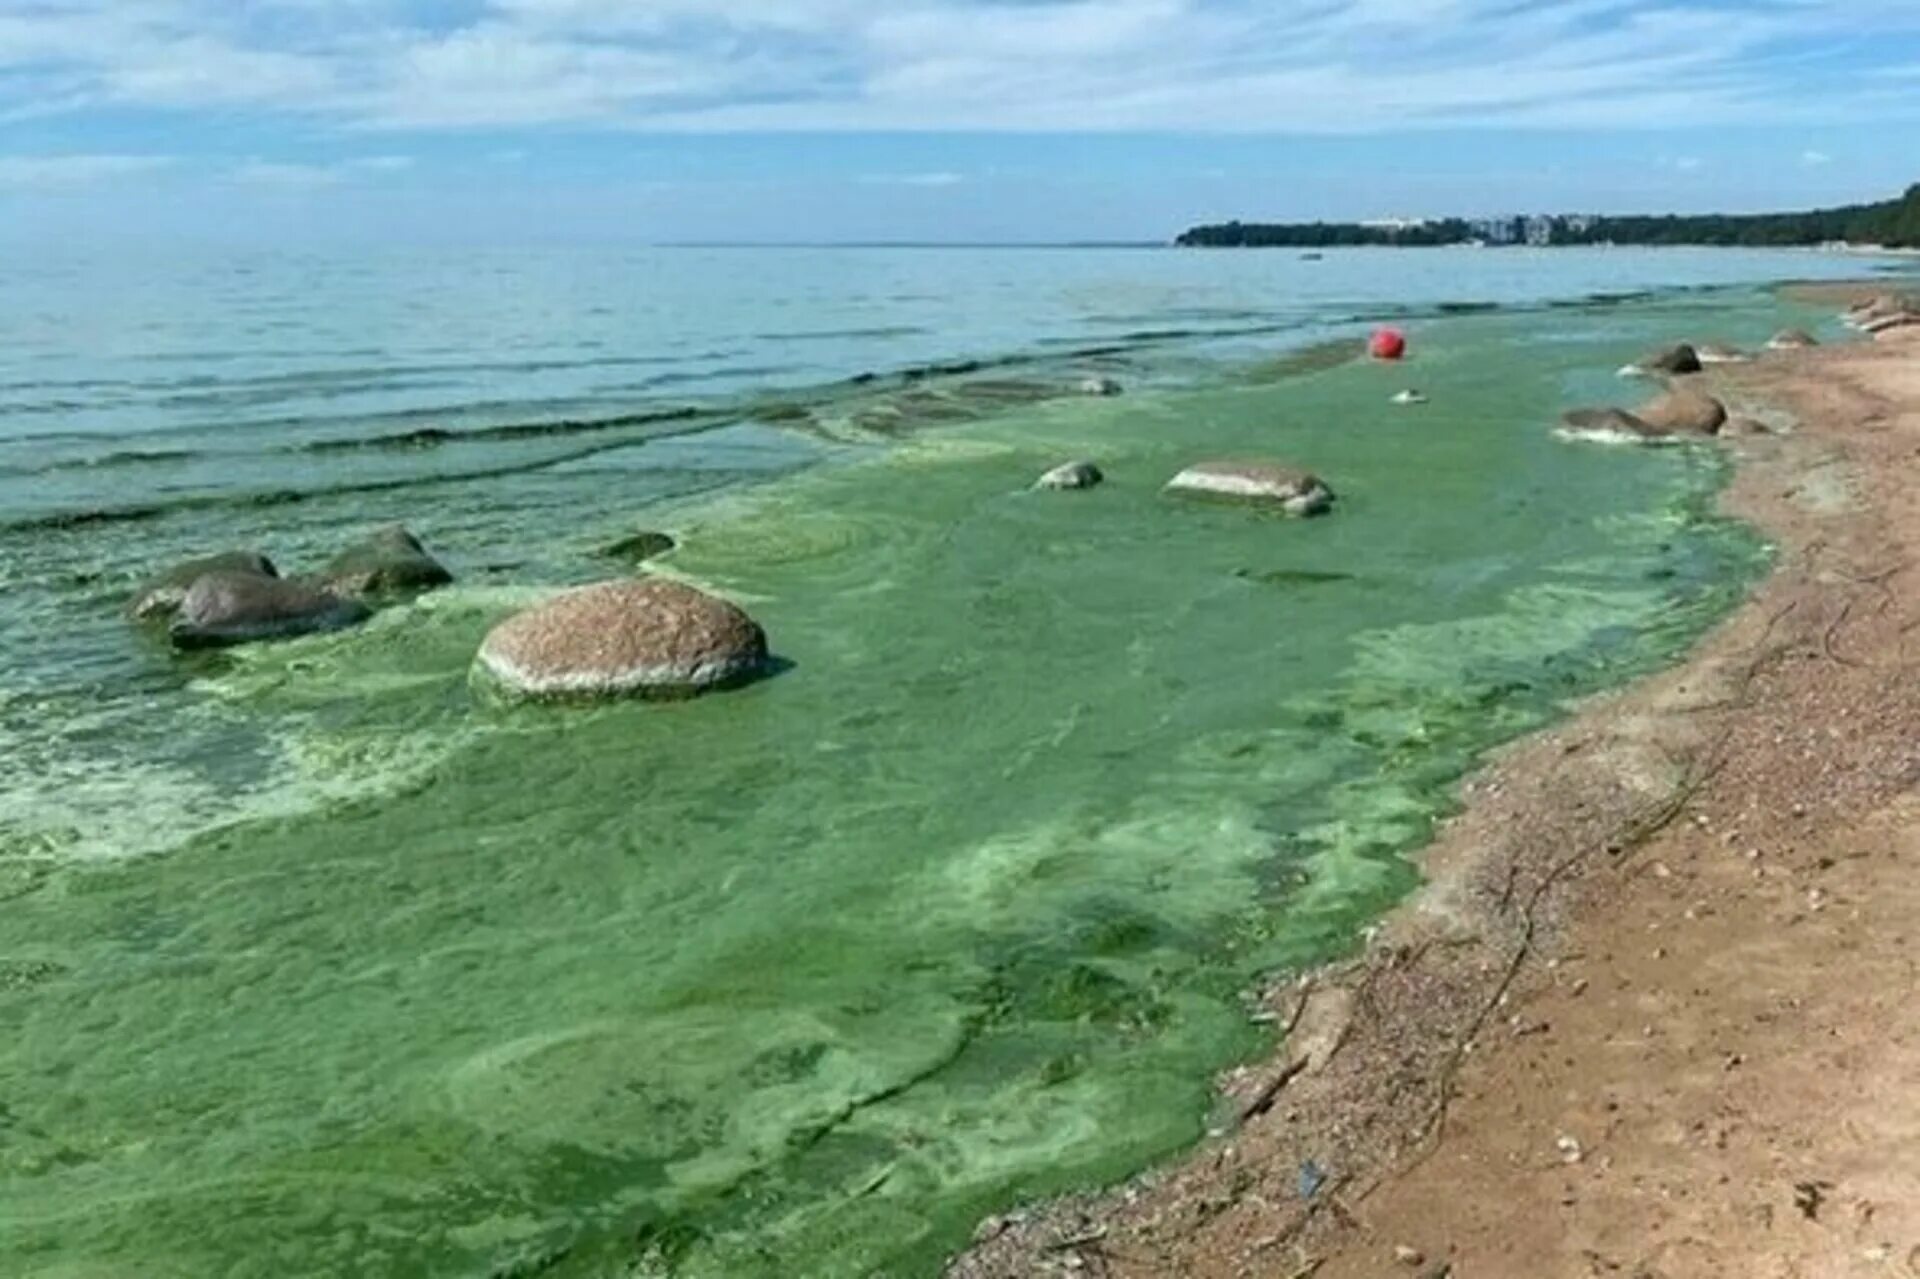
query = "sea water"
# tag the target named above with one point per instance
(313, 962)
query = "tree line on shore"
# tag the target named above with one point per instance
(1892, 223)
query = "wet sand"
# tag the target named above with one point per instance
(1654, 1014)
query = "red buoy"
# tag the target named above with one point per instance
(1387, 344)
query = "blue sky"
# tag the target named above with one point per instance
(649, 120)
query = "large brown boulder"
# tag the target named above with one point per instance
(160, 598)
(224, 609)
(388, 562)
(1275, 484)
(1683, 413)
(639, 637)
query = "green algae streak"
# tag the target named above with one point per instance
(803, 979)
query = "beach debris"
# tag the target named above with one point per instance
(639, 547)
(388, 562)
(1101, 386)
(1295, 491)
(1387, 344)
(1570, 1151)
(1071, 475)
(1262, 1101)
(1810, 1196)
(159, 599)
(1677, 359)
(224, 609)
(1410, 396)
(636, 637)
(1792, 340)
(1406, 1256)
(1311, 1180)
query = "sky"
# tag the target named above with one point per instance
(646, 121)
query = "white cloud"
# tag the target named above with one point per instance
(1058, 65)
(1814, 159)
(50, 172)
(297, 176)
(937, 179)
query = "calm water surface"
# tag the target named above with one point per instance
(313, 963)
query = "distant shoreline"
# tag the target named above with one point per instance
(1891, 223)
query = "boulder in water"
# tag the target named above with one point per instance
(1612, 426)
(639, 637)
(1792, 340)
(1875, 308)
(640, 547)
(1100, 386)
(1888, 323)
(224, 609)
(1683, 413)
(1672, 360)
(160, 598)
(1410, 397)
(1716, 353)
(389, 562)
(1289, 488)
(1071, 475)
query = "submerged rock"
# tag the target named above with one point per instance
(1792, 340)
(645, 637)
(1683, 413)
(160, 599)
(390, 561)
(1673, 416)
(1677, 359)
(1876, 308)
(1410, 396)
(1293, 490)
(1100, 386)
(224, 609)
(1887, 323)
(640, 547)
(1609, 425)
(1071, 475)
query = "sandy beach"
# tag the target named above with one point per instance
(1653, 1013)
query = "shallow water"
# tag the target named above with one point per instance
(804, 978)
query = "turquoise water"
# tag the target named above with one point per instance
(312, 962)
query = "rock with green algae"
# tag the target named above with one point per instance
(225, 609)
(159, 599)
(639, 548)
(637, 637)
(389, 562)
